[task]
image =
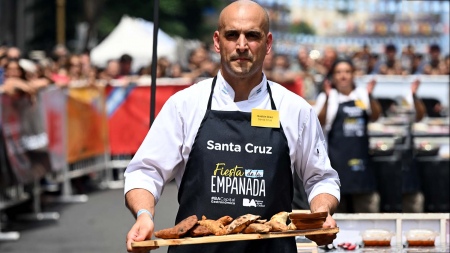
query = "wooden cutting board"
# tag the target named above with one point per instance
(231, 238)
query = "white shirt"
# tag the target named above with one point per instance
(165, 150)
(335, 98)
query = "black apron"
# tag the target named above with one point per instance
(348, 148)
(235, 169)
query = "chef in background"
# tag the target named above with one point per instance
(344, 112)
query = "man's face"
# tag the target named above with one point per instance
(242, 42)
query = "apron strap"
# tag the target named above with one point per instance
(211, 94)
(272, 103)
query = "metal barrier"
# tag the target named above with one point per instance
(9, 197)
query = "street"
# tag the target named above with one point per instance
(97, 226)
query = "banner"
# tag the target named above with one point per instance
(25, 137)
(6, 178)
(54, 106)
(129, 114)
(87, 131)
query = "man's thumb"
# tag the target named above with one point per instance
(142, 234)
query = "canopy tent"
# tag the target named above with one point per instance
(133, 36)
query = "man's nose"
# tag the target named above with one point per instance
(242, 43)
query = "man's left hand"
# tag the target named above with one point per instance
(324, 239)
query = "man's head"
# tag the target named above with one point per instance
(390, 51)
(435, 52)
(125, 64)
(243, 39)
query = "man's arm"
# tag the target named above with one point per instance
(324, 202)
(138, 199)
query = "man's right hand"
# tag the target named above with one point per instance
(141, 230)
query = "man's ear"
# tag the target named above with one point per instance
(216, 41)
(269, 43)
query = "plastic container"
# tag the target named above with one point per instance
(377, 237)
(421, 237)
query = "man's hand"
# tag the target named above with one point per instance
(141, 230)
(324, 239)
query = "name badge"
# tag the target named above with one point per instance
(360, 104)
(265, 118)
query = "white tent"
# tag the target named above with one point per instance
(133, 36)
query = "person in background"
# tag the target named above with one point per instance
(446, 65)
(199, 64)
(111, 72)
(391, 65)
(85, 60)
(417, 64)
(344, 112)
(435, 66)
(15, 80)
(323, 65)
(74, 68)
(282, 74)
(206, 128)
(13, 53)
(125, 62)
(305, 67)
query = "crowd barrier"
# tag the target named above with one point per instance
(50, 139)
(67, 133)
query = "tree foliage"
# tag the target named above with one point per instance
(302, 27)
(176, 17)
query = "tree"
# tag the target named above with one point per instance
(176, 17)
(302, 27)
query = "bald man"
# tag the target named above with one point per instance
(232, 143)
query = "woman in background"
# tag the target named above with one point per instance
(344, 112)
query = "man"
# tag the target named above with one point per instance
(203, 138)
(126, 62)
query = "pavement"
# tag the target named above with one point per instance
(96, 226)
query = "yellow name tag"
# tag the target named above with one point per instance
(360, 104)
(265, 118)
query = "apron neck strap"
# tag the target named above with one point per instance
(272, 103)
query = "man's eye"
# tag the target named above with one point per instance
(231, 35)
(253, 35)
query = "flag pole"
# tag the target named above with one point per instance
(154, 61)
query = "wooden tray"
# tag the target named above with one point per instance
(231, 238)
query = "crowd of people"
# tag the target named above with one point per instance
(60, 67)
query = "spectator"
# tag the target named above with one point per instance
(391, 65)
(329, 57)
(126, 62)
(446, 66)
(85, 60)
(373, 64)
(407, 58)
(435, 65)
(417, 64)
(199, 64)
(15, 80)
(305, 67)
(13, 53)
(112, 71)
(75, 68)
